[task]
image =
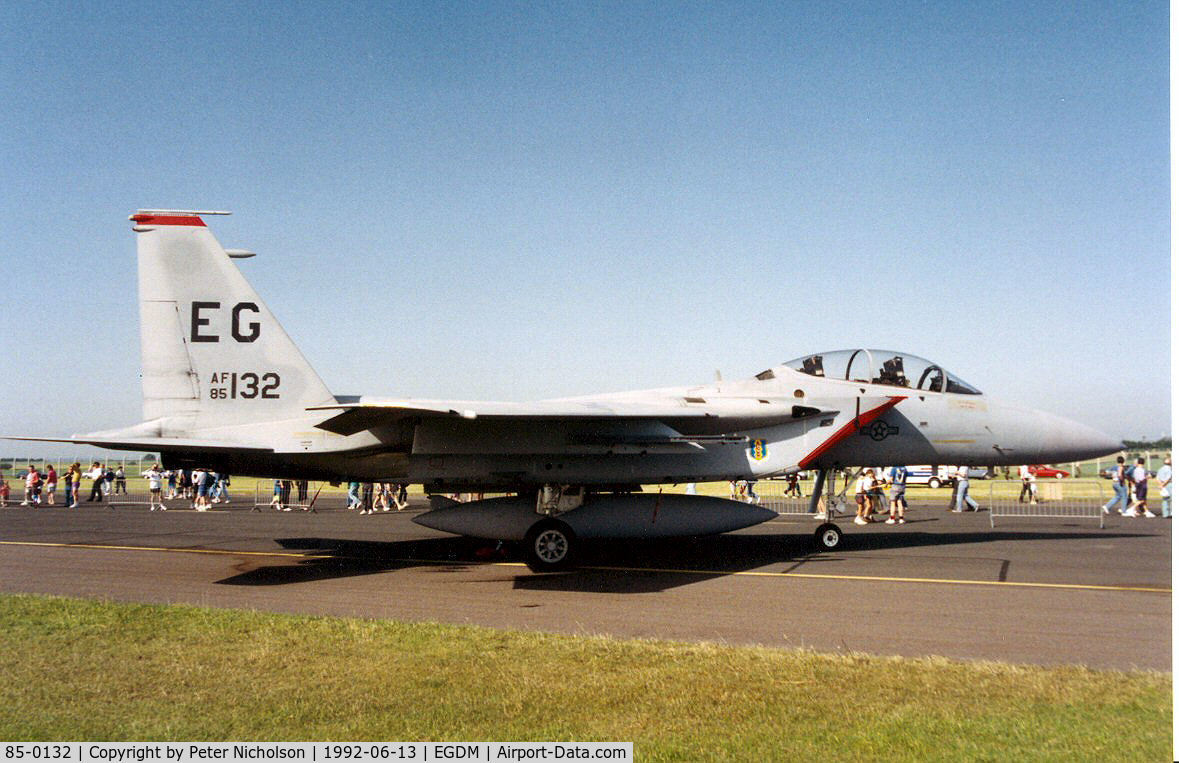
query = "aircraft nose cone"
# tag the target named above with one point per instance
(1069, 440)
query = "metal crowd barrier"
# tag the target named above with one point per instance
(1052, 498)
(296, 495)
(772, 495)
(139, 494)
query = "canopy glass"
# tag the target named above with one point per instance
(894, 369)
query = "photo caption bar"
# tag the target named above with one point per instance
(315, 752)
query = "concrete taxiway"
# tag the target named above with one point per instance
(1030, 591)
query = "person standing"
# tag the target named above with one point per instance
(963, 491)
(155, 484)
(353, 494)
(75, 478)
(863, 499)
(1141, 483)
(67, 480)
(1164, 478)
(898, 477)
(878, 499)
(220, 491)
(4, 490)
(50, 484)
(200, 485)
(95, 474)
(212, 480)
(1028, 478)
(120, 480)
(108, 480)
(1118, 502)
(1025, 487)
(32, 478)
(366, 499)
(950, 478)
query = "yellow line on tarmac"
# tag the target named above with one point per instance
(600, 568)
(885, 579)
(214, 551)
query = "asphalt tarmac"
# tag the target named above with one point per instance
(1055, 591)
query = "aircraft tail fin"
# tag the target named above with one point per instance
(213, 354)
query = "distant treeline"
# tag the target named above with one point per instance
(1163, 443)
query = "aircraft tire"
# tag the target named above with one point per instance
(828, 536)
(550, 545)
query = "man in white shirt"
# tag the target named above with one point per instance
(1028, 490)
(96, 473)
(200, 486)
(1141, 482)
(964, 491)
(155, 483)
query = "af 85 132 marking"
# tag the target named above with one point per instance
(230, 385)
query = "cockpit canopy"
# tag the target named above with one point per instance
(895, 369)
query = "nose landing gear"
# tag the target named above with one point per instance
(550, 545)
(828, 536)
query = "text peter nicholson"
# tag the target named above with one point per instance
(328, 752)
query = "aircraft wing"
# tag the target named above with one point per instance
(147, 443)
(688, 418)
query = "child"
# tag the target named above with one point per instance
(3, 490)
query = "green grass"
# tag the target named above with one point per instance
(86, 670)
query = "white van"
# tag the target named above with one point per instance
(923, 474)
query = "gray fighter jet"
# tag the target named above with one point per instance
(224, 387)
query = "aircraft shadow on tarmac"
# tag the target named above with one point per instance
(628, 566)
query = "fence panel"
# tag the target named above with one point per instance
(1069, 498)
(773, 495)
(302, 495)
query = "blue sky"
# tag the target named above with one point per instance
(514, 201)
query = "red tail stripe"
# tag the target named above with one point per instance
(847, 429)
(166, 220)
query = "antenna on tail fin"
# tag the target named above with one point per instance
(178, 212)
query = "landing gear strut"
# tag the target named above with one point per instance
(828, 535)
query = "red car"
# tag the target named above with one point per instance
(1048, 471)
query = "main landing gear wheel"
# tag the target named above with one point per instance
(828, 536)
(549, 546)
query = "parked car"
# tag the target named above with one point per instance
(1040, 470)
